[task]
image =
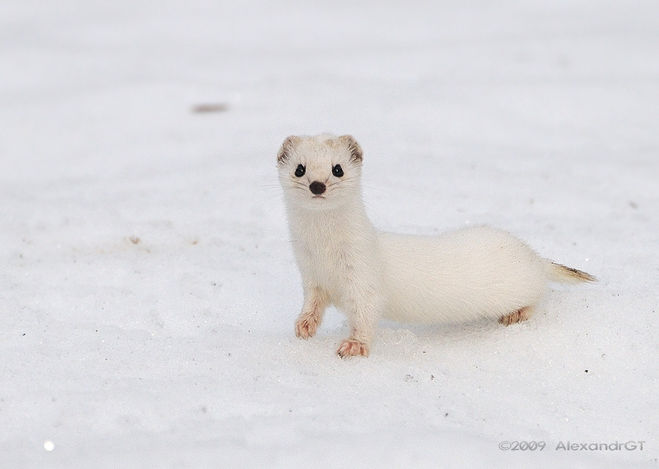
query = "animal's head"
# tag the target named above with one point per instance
(320, 172)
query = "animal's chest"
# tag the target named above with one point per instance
(328, 260)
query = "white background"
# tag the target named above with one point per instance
(147, 287)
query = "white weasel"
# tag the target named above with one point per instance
(461, 275)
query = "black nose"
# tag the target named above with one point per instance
(317, 187)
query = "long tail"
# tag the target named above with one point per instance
(564, 274)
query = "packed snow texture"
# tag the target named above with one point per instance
(148, 291)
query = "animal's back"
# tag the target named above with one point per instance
(460, 275)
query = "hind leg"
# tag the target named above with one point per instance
(520, 315)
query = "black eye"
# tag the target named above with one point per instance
(299, 171)
(337, 171)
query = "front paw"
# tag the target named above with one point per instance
(352, 348)
(306, 325)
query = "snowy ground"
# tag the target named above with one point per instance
(148, 291)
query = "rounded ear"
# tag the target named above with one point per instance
(285, 149)
(356, 153)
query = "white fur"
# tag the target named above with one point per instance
(458, 276)
(461, 275)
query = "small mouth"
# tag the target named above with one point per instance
(318, 197)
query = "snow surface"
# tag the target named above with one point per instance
(148, 290)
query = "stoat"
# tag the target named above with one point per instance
(461, 275)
